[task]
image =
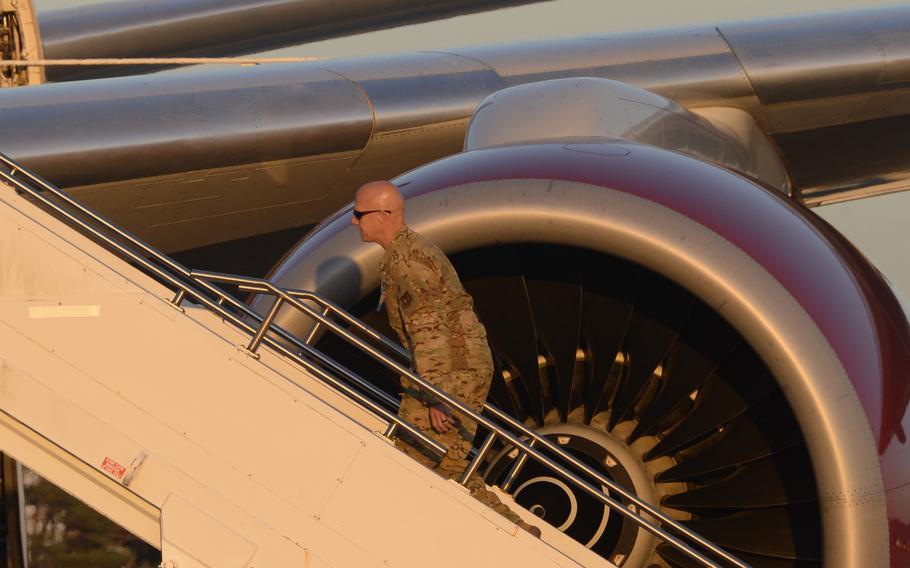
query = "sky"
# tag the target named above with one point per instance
(877, 226)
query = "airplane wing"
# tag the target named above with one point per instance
(213, 28)
(226, 154)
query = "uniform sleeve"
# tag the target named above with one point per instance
(420, 302)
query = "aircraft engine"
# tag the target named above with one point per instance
(693, 333)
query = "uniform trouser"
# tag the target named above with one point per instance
(459, 440)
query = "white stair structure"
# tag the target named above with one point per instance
(154, 412)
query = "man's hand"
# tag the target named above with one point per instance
(441, 418)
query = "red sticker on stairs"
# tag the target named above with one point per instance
(113, 468)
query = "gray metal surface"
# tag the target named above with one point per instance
(202, 156)
(160, 28)
(834, 94)
(193, 163)
(419, 113)
(824, 56)
(140, 128)
(693, 66)
(585, 107)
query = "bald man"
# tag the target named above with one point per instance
(434, 317)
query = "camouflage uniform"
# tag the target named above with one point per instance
(434, 317)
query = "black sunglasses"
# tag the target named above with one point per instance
(359, 214)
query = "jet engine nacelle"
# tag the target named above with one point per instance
(717, 347)
(820, 318)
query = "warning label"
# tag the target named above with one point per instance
(113, 468)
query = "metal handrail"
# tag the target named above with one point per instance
(284, 296)
(334, 308)
(260, 335)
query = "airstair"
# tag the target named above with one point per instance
(147, 391)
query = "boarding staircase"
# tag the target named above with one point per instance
(161, 400)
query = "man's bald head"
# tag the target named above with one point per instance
(380, 195)
(378, 212)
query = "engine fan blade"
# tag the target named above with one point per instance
(553, 280)
(660, 311)
(761, 483)
(706, 341)
(607, 302)
(677, 559)
(732, 390)
(767, 429)
(766, 533)
(504, 394)
(501, 300)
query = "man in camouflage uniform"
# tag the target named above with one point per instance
(434, 317)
